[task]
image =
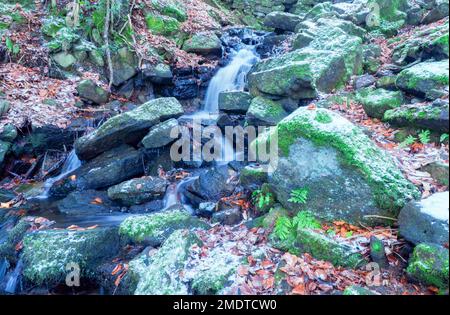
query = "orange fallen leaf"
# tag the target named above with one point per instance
(97, 201)
(73, 178)
(299, 290)
(116, 269)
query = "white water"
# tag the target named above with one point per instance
(13, 280)
(72, 163)
(174, 196)
(230, 78)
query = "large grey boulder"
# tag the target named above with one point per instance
(159, 135)
(203, 44)
(138, 191)
(234, 101)
(110, 168)
(282, 21)
(128, 127)
(347, 176)
(426, 221)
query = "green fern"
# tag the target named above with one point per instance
(408, 141)
(305, 219)
(299, 195)
(283, 228)
(262, 198)
(424, 136)
(444, 137)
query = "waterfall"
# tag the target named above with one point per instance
(174, 194)
(72, 163)
(13, 280)
(230, 78)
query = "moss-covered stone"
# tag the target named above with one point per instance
(264, 112)
(154, 228)
(128, 127)
(89, 90)
(325, 248)
(234, 101)
(138, 191)
(160, 275)
(159, 135)
(253, 176)
(46, 254)
(326, 158)
(420, 116)
(14, 236)
(429, 265)
(161, 24)
(124, 64)
(172, 8)
(426, 79)
(203, 44)
(377, 102)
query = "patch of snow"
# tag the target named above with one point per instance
(437, 206)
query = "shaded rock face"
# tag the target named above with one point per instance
(110, 168)
(429, 265)
(87, 202)
(347, 176)
(282, 21)
(426, 221)
(203, 44)
(128, 127)
(420, 116)
(426, 79)
(138, 191)
(155, 228)
(159, 135)
(125, 65)
(47, 253)
(439, 171)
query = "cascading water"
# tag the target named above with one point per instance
(72, 163)
(14, 278)
(230, 78)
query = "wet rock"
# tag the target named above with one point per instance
(6, 195)
(151, 206)
(154, 228)
(234, 101)
(387, 82)
(377, 253)
(426, 221)
(88, 90)
(264, 112)
(87, 202)
(429, 265)
(426, 79)
(230, 216)
(152, 274)
(159, 135)
(439, 11)
(282, 21)
(428, 116)
(109, 168)
(47, 254)
(213, 184)
(128, 127)
(377, 102)
(124, 64)
(138, 191)
(206, 209)
(347, 176)
(364, 81)
(438, 171)
(203, 44)
(185, 88)
(12, 238)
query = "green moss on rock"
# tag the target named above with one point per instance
(162, 25)
(429, 265)
(377, 102)
(264, 112)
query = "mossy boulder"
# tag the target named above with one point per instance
(426, 79)
(128, 127)
(13, 237)
(159, 135)
(138, 191)
(234, 101)
(64, 60)
(253, 176)
(46, 254)
(160, 274)
(203, 44)
(264, 112)
(377, 102)
(426, 116)
(90, 91)
(124, 64)
(298, 74)
(154, 228)
(439, 171)
(172, 8)
(162, 25)
(282, 21)
(429, 265)
(348, 177)
(423, 44)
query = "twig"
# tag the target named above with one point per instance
(379, 217)
(106, 39)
